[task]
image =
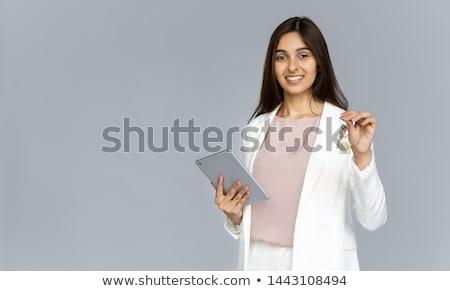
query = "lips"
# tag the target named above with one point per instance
(294, 78)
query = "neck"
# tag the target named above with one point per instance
(300, 107)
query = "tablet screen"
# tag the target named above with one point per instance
(227, 164)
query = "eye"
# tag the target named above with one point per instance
(303, 56)
(280, 58)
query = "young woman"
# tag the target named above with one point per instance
(316, 162)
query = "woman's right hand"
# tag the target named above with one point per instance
(232, 202)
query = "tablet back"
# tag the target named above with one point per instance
(226, 163)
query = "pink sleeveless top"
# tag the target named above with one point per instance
(280, 167)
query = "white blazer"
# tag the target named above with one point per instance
(334, 190)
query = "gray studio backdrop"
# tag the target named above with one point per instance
(71, 69)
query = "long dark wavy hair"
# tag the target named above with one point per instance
(325, 86)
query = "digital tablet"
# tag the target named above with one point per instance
(226, 164)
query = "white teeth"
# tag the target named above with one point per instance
(294, 78)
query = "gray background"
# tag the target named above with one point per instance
(68, 69)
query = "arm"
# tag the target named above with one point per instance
(368, 197)
(367, 191)
(231, 204)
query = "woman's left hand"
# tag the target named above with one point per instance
(361, 132)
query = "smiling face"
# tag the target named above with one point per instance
(295, 66)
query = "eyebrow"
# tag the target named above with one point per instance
(297, 50)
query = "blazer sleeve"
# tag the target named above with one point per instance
(247, 145)
(233, 229)
(368, 197)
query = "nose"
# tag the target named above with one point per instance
(293, 66)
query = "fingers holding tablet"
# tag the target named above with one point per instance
(232, 202)
(231, 170)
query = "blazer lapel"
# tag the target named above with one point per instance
(262, 126)
(315, 163)
(317, 158)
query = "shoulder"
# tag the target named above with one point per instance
(332, 110)
(259, 119)
(263, 118)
